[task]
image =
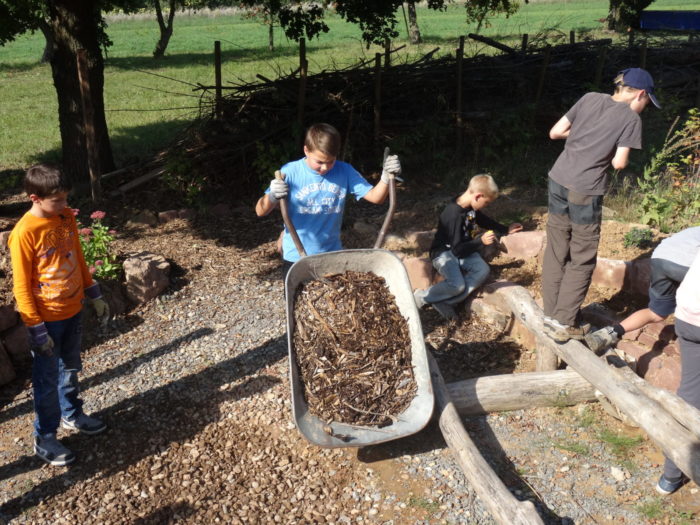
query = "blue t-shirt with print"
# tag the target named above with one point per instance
(316, 203)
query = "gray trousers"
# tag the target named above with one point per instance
(573, 232)
(689, 389)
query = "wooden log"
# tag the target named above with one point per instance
(217, 78)
(89, 126)
(137, 181)
(486, 394)
(502, 505)
(676, 441)
(377, 97)
(491, 42)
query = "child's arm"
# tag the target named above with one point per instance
(561, 129)
(621, 158)
(269, 201)
(390, 170)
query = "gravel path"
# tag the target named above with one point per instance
(194, 389)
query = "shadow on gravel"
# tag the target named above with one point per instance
(124, 368)
(148, 423)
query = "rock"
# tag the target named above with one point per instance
(8, 317)
(524, 245)
(421, 240)
(4, 236)
(221, 210)
(147, 274)
(617, 473)
(143, 218)
(364, 228)
(394, 242)
(16, 342)
(186, 213)
(167, 216)
(420, 272)
(7, 370)
(608, 213)
(610, 273)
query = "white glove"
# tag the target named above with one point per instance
(278, 190)
(101, 309)
(391, 169)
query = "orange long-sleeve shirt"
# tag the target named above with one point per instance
(49, 270)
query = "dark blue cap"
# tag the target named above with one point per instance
(639, 78)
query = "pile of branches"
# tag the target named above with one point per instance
(353, 350)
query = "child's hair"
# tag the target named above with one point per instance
(44, 180)
(620, 85)
(324, 138)
(485, 184)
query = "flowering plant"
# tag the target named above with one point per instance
(96, 242)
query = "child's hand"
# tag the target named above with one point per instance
(488, 238)
(39, 340)
(515, 227)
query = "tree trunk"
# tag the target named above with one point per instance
(49, 43)
(614, 15)
(75, 26)
(271, 35)
(413, 30)
(166, 29)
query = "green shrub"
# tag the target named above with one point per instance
(96, 242)
(639, 237)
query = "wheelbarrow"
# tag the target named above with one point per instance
(384, 264)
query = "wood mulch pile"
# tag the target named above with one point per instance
(353, 349)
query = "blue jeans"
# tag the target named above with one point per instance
(55, 378)
(462, 277)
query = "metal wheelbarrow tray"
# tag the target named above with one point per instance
(384, 264)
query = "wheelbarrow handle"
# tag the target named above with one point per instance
(392, 206)
(288, 222)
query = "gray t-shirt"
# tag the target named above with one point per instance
(599, 125)
(679, 248)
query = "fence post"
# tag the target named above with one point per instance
(543, 74)
(599, 66)
(387, 53)
(460, 60)
(303, 72)
(89, 126)
(217, 78)
(643, 55)
(572, 37)
(523, 45)
(377, 97)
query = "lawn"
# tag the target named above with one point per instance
(148, 102)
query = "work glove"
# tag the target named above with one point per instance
(94, 294)
(278, 190)
(391, 168)
(40, 340)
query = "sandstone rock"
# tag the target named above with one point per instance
(186, 213)
(421, 240)
(610, 273)
(420, 272)
(364, 228)
(7, 370)
(147, 274)
(4, 236)
(524, 245)
(394, 242)
(167, 216)
(638, 277)
(16, 342)
(8, 317)
(143, 218)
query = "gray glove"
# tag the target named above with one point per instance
(391, 169)
(278, 190)
(39, 340)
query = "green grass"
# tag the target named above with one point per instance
(621, 445)
(572, 446)
(651, 509)
(145, 111)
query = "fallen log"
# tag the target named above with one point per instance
(482, 395)
(676, 441)
(491, 42)
(502, 505)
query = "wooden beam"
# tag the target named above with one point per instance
(482, 395)
(502, 505)
(676, 441)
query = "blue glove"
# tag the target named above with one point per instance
(40, 340)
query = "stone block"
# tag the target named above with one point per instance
(672, 349)
(167, 216)
(633, 349)
(487, 313)
(147, 274)
(492, 293)
(221, 210)
(7, 369)
(661, 330)
(638, 277)
(610, 273)
(4, 236)
(16, 342)
(664, 372)
(187, 214)
(632, 335)
(524, 245)
(420, 272)
(597, 315)
(420, 240)
(143, 218)
(647, 339)
(523, 335)
(394, 242)
(8, 317)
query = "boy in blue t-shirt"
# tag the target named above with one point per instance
(316, 187)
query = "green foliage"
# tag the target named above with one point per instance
(621, 445)
(96, 242)
(270, 157)
(639, 237)
(671, 182)
(651, 509)
(181, 177)
(576, 448)
(423, 503)
(479, 12)
(586, 418)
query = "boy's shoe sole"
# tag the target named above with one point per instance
(90, 431)
(56, 460)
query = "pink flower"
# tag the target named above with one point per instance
(112, 232)
(98, 215)
(99, 262)
(92, 269)
(76, 211)
(85, 232)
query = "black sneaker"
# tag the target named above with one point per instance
(85, 424)
(50, 449)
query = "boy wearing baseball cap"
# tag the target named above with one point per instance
(599, 130)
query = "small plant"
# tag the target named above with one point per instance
(181, 176)
(685, 518)
(429, 506)
(96, 243)
(651, 509)
(576, 448)
(639, 237)
(586, 418)
(621, 445)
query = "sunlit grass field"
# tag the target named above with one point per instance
(149, 101)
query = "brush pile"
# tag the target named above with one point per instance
(353, 350)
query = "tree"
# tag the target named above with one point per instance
(624, 14)
(71, 25)
(413, 29)
(166, 29)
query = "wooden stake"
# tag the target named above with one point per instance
(387, 53)
(523, 45)
(89, 126)
(572, 37)
(377, 97)
(217, 78)
(303, 74)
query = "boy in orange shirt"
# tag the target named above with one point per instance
(50, 280)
